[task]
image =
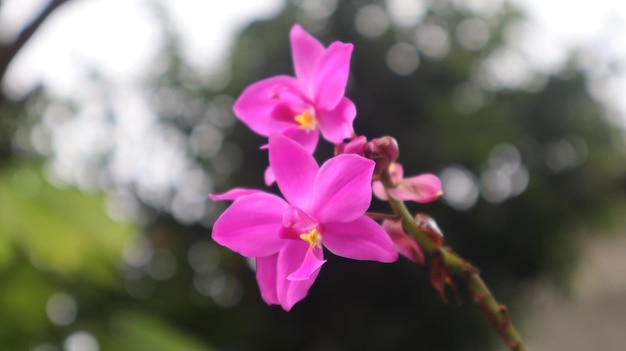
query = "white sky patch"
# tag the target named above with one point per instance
(209, 26)
(574, 22)
(118, 38)
(114, 37)
(555, 26)
(14, 13)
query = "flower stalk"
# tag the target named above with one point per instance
(450, 262)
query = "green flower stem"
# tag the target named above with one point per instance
(481, 296)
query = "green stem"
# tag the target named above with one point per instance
(495, 312)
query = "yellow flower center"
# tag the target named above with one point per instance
(313, 237)
(306, 121)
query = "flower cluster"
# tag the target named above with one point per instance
(323, 206)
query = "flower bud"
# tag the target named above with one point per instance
(383, 151)
(405, 244)
(354, 146)
(427, 224)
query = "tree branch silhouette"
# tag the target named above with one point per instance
(9, 51)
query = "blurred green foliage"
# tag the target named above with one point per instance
(59, 229)
(61, 241)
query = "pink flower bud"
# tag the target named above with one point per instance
(383, 151)
(430, 227)
(354, 146)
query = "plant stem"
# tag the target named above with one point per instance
(495, 312)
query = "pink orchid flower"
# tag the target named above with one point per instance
(308, 104)
(325, 206)
(422, 188)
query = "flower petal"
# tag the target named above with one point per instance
(268, 176)
(423, 188)
(379, 190)
(331, 75)
(336, 124)
(306, 52)
(396, 172)
(354, 146)
(361, 239)
(312, 263)
(258, 104)
(342, 190)
(294, 169)
(234, 194)
(266, 276)
(289, 260)
(308, 139)
(405, 244)
(250, 226)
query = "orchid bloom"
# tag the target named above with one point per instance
(323, 206)
(422, 188)
(311, 102)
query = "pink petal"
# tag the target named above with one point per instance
(361, 239)
(250, 226)
(308, 139)
(268, 176)
(336, 125)
(312, 263)
(294, 168)
(379, 190)
(342, 190)
(306, 52)
(354, 146)
(405, 244)
(331, 75)
(422, 188)
(289, 260)
(234, 194)
(396, 172)
(257, 104)
(266, 275)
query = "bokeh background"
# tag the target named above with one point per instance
(116, 122)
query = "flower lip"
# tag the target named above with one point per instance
(299, 225)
